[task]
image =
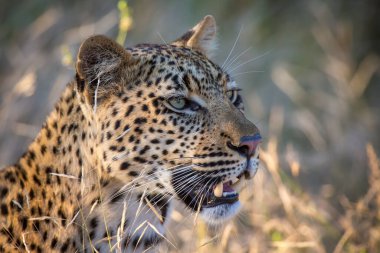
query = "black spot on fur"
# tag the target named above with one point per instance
(3, 192)
(117, 196)
(133, 173)
(140, 120)
(117, 124)
(4, 209)
(93, 223)
(130, 109)
(65, 246)
(124, 166)
(53, 243)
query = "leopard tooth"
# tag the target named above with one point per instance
(218, 191)
(233, 181)
(239, 185)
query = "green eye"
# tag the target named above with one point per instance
(182, 105)
(178, 103)
(232, 95)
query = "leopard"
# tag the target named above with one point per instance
(137, 130)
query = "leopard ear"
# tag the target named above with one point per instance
(100, 66)
(201, 37)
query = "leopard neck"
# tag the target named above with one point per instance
(64, 146)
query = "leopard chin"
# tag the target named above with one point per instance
(221, 213)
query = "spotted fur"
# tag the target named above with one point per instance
(113, 155)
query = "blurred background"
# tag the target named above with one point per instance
(310, 71)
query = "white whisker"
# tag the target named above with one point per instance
(233, 47)
(247, 72)
(159, 35)
(236, 58)
(64, 175)
(123, 133)
(120, 156)
(251, 60)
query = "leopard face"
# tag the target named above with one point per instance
(170, 121)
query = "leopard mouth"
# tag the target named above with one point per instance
(222, 193)
(203, 194)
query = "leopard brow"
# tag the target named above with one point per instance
(179, 93)
(198, 100)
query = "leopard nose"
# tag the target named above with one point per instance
(248, 145)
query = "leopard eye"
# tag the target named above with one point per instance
(178, 103)
(182, 105)
(232, 95)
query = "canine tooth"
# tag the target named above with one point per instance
(218, 191)
(238, 186)
(233, 181)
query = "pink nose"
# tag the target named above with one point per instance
(249, 144)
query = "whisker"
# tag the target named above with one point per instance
(251, 60)
(142, 176)
(205, 188)
(120, 156)
(252, 71)
(123, 133)
(235, 58)
(64, 175)
(233, 47)
(159, 35)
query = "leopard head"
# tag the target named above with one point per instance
(170, 121)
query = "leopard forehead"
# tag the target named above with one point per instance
(179, 69)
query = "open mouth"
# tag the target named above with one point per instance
(222, 193)
(210, 192)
